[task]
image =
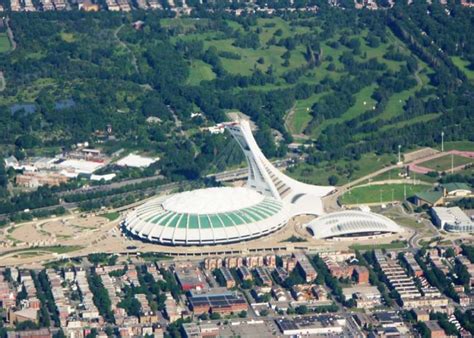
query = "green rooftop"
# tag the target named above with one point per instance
(430, 196)
(456, 186)
(263, 210)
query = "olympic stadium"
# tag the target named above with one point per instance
(228, 215)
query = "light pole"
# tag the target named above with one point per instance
(442, 141)
(452, 163)
(399, 155)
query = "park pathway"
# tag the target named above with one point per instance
(124, 45)
(10, 34)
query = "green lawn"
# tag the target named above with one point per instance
(247, 63)
(5, 45)
(418, 119)
(67, 37)
(302, 114)
(444, 163)
(464, 66)
(380, 193)
(387, 246)
(342, 169)
(457, 145)
(394, 175)
(363, 103)
(200, 71)
(111, 216)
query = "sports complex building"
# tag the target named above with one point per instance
(352, 223)
(226, 214)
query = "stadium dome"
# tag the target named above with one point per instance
(207, 216)
(226, 215)
(352, 224)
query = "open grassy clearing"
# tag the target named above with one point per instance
(301, 115)
(344, 170)
(464, 66)
(380, 193)
(5, 45)
(363, 103)
(200, 71)
(67, 37)
(444, 163)
(111, 216)
(418, 119)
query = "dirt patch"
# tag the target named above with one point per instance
(91, 222)
(30, 233)
(60, 228)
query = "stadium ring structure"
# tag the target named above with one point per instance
(226, 214)
(352, 223)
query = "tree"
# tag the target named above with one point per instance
(333, 179)
(243, 314)
(215, 316)
(301, 310)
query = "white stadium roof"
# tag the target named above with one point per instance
(212, 200)
(195, 218)
(351, 223)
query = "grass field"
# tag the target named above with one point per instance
(464, 66)
(200, 71)
(302, 114)
(111, 216)
(380, 193)
(67, 37)
(5, 45)
(387, 246)
(418, 119)
(394, 174)
(444, 163)
(457, 145)
(319, 174)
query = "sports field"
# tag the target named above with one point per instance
(444, 163)
(381, 193)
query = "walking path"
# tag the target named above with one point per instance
(3, 81)
(10, 34)
(124, 45)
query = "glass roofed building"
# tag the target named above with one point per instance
(226, 214)
(352, 223)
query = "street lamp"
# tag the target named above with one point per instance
(442, 141)
(399, 154)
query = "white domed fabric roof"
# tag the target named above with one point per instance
(351, 223)
(212, 200)
(207, 216)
